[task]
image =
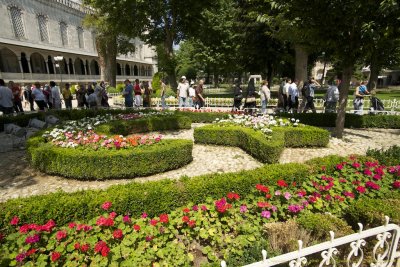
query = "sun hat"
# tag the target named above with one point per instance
(183, 77)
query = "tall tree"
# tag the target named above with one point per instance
(340, 25)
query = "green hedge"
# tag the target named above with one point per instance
(351, 121)
(109, 164)
(390, 156)
(156, 123)
(256, 144)
(203, 117)
(152, 197)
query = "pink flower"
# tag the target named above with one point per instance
(204, 208)
(117, 234)
(287, 195)
(221, 205)
(301, 193)
(277, 193)
(372, 185)
(295, 208)
(356, 165)
(396, 184)
(101, 247)
(72, 225)
(266, 214)
(377, 177)
(32, 239)
(149, 238)
(243, 208)
(153, 222)
(349, 194)
(195, 208)
(136, 228)
(20, 257)
(14, 220)
(144, 215)
(339, 167)
(341, 180)
(274, 208)
(192, 223)
(106, 205)
(361, 189)
(126, 219)
(368, 172)
(61, 235)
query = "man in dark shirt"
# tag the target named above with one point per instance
(199, 99)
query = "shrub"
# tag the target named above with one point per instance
(203, 117)
(253, 142)
(153, 197)
(120, 87)
(156, 82)
(109, 164)
(391, 156)
(112, 90)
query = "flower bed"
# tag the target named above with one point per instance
(205, 232)
(84, 150)
(262, 137)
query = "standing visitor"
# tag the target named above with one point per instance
(81, 96)
(138, 93)
(331, 98)
(285, 94)
(55, 95)
(48, 97)
(182, 92)
(28, 97)
(310, 93)
(103, 95)
(192, 94)
(293, 96)
(163, 94)
(280, 94)
(17, 94)
(6, 99)
(250, 102)
(128, 94)
(237, 95)
(199, 99)
(359, 94)
(39, 97)
(146, 95)
(67, 95)
(265, 95)
(98, 91)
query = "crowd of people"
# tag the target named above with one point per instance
(50, 96)
(137, 94)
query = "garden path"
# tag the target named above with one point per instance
(18, 179)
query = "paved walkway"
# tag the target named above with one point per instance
(18, 179)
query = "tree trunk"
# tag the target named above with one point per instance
(301, 64)
(170, 62)
(107, 51)
(374, 71)
(344, 93)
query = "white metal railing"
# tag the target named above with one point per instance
(384, 252)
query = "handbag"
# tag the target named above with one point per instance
(250, 99)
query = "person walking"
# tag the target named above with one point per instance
(237, 95)
(48, 97)
(146, 95)
(103, 95)
(81, 96)
(310, 93)
(67, 95)
(28, 97)
(6, 99)
(285, 94)
(138, 93)
(359, 94)
(250, 102)
(17, 94)
(265, 95)
(331, 98)
(192, 94)
(55, 95)
(293, 97)
(39, 97)
(128, 94)
(163, 94)
(182, 91)
(199, 99)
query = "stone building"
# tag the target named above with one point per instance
(34, 33)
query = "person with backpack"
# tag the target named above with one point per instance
(310, 93)
(331, 98)
(265, 95)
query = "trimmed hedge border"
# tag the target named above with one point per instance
(115, 164)
(256, 144)
(154, 198)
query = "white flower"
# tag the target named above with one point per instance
(297, 121)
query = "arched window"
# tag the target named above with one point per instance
(16, 18)
(149, 71)
(127, 70)
(9, 61)
(71, 67)
(50, 64)
(44, 35)
(135, 71)
(80, 37)
(64, 33)
(94, 67)
(118, 69)
(38, 65)
(79, 67)
(24, 62)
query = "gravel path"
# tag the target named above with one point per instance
(18, 179)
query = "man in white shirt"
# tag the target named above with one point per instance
(285, 94)
(6, 99)
(192, 94)
(55, 95)
(294, 97)
(182, 92)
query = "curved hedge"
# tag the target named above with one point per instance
(106, 164)
(256, 144)
(80, 163)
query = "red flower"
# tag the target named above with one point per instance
(149, 238)
(144, 215)
(136, 227)
(341, 180)
(377, 177)
(268, 196)
(113, 215)
(14, 220)
(186, 210)
(85, 247)
(105, 221)
(185, 218)
(192, 223)
(61, 235)
(71, 225)
(118, 234)
(396, 184)
(233, 195)
(153, 222)
(372, 185)
(164, 218)
(101, 247)
(323, 168)
(204, 208)
(221, 205)
(368, 172)
(77, 246)
(126, 219)
(339, 167)
(106, 205)
(361, 189)
(262, 188)
(195, 208)
(55, 256)
(263, 204)
(282, 183)
(31, 251)
(356, 165)
(349, 194)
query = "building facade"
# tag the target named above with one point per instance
(36, 33)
